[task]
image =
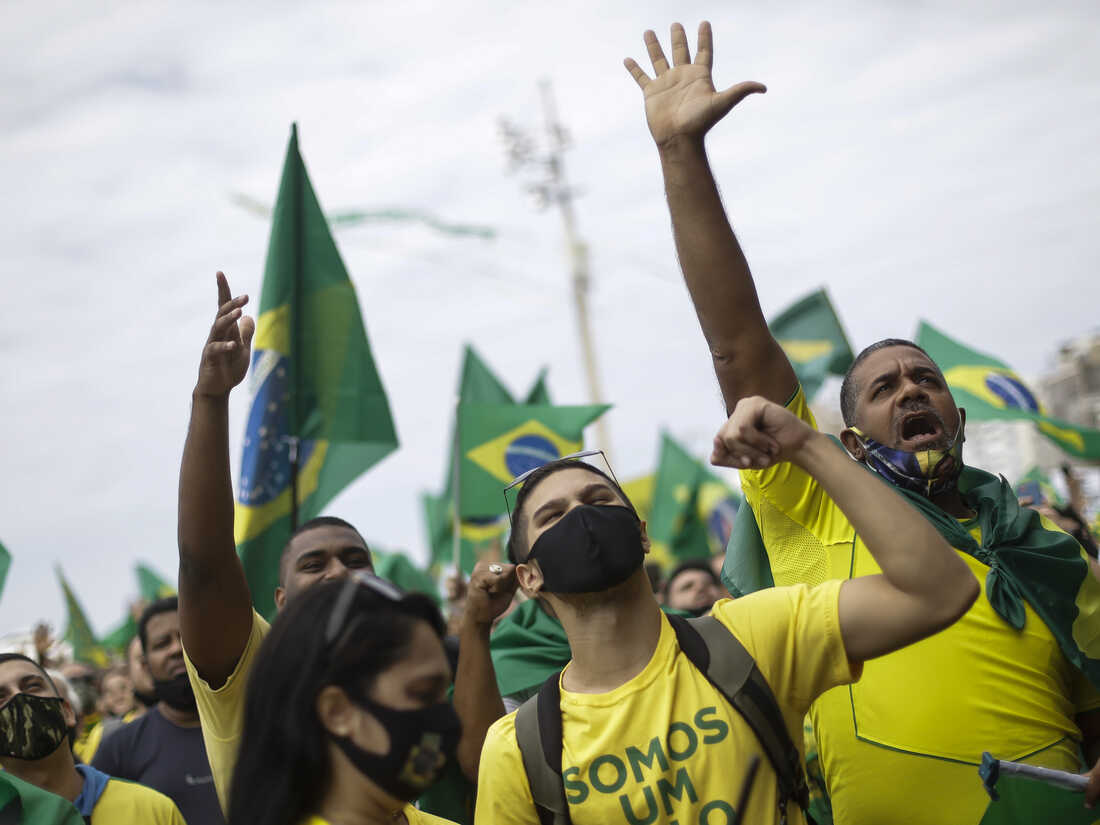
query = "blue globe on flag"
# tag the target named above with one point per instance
(528, 452)
(1011, 391)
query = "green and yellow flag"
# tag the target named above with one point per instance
(27, 804)
(498, 442)
(316, 385)
(1026, 802)
(990, 390)
(692, 511)
(539, 394)
(78, 632)
(477, 384)
(810, 333)
(151, 586)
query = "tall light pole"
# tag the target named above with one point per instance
(552, 187)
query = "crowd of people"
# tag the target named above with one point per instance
(912, 625)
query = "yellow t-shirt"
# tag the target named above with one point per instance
(904, 743)
(123, 801)
(666, 746)
(221, 711)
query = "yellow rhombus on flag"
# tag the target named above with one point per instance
(528, 441)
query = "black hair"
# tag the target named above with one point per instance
(19, 657)
(517, 540)
(849, 390)
(283, 764)
(693, 564)
(169, 604)
(319, 521)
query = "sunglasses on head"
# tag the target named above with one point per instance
(356, 579)
(522, 477)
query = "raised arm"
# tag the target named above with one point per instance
(215, 604)
(477, 698)
(681, 105)
(924, 585)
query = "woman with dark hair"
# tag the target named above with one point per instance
(346, 720)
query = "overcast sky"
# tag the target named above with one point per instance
(922, 159)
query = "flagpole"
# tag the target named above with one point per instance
(456, 493)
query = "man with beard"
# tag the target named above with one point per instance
(646, 735)
(35, 729)
(1016, 675)
(164, 749)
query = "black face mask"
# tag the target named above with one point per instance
(176, 693)
(32, 727)
(421, 743)
(592, 548)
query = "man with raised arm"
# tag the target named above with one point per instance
(220, 630)
(646, 735)
(1017, 674)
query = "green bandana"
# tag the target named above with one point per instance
(1027, 562)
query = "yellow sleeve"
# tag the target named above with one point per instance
(793, 633)
(221, 711)
(503, 794)
(123, 801)
(798, 522)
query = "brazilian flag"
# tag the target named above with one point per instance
(990, 390)
(498, 442)
(810, 333)
(692, 511)
(478, 384)
(314, 381)
(78, 633)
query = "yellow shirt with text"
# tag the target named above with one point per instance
(221, 711)
(906, 740)
(666, 746)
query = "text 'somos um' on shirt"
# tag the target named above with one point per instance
(666, 746)
(904, 743)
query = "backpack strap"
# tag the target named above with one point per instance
(721, 657)
(539, 735)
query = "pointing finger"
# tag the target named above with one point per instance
(660, 64)
(223, 288)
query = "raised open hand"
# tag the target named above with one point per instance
(681, 101)
(760, 433)
(227, 351)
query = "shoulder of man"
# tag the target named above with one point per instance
(503, 792)
(125, 801)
